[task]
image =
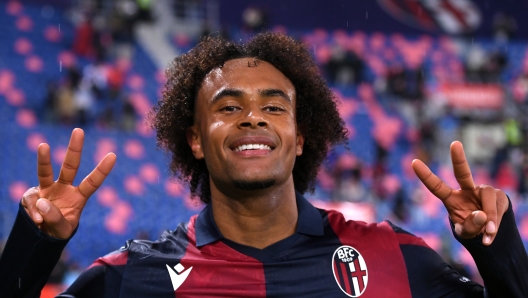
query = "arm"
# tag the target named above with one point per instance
(48, 218)
(504, 264)
(428, 274)
(28, 258)
(27, 262)
(477, 214)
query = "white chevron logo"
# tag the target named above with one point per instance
(179, 276)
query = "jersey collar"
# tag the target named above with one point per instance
(310, 222)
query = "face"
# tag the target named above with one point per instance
(245, 126)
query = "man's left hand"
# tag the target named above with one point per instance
(472, 209)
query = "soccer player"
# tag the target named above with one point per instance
(247, 127)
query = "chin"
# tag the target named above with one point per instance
(253, 184)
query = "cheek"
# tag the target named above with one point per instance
(214, 132)
(216, 127)
(289, 133)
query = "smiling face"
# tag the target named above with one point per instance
(245, 126)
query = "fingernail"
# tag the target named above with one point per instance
(37, 216)
(478, 220)
(487, 239)
(490, 227)
(43, 206)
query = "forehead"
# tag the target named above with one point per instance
(245, 73)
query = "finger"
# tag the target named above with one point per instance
(92, 182)
(461, 167)
(488, 198)
(29, 199)
(502, 207)
(430, 180)
(57, 225)
(44, 169)
(472, 225)
(73, 157)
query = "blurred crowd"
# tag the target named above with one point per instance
(104, 40)
(93, 93)
(497, 138)
(91, 96)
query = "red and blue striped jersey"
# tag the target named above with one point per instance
(327, 256)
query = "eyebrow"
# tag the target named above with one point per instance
(274, 92)
(227, 92)
(240, 93)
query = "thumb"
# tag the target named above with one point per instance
(472, 225)
(57, 225)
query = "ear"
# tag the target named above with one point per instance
(300, 143)
(194, 141)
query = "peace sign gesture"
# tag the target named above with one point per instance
(56, 206)
(472, 209)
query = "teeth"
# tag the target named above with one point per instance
(252, 147)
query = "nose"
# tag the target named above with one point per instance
(253, 118)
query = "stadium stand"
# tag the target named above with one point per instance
(384, 137)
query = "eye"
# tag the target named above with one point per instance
(273, 109)
(229, 109)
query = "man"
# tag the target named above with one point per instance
(247, 126)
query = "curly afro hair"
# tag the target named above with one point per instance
(317, 116)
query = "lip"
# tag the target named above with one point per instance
(253, 140)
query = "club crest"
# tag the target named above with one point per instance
(350, 271)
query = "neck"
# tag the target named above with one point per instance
(256, 218)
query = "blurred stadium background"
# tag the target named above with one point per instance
(411, 76)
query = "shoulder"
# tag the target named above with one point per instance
(406, 238)
(384, 228)
(340, 224)
(170, 242)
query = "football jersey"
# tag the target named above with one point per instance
(327, 256)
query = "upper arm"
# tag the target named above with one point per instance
(429, 275)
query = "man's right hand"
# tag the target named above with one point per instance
(56, 206)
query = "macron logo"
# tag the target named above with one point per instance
(179, 276)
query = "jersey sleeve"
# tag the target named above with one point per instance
(30, 255)
(503, 265)
(28, 258)
(428, 274)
